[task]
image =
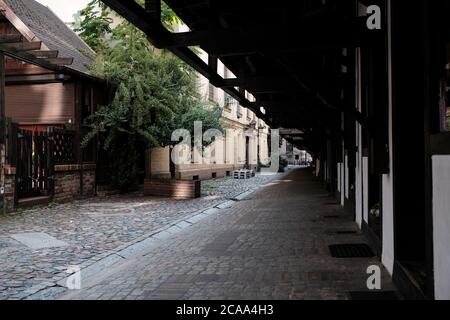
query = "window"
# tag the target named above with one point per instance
(239, 111)
(229, 101)
(249, 115)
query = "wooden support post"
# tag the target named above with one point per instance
(2, 98)
(153, 7)
(2, 128)
(212, 62)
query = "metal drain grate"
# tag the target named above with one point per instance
(356, 250)
(340, 232)
(331, 217)
(373, 295)
(346, 232)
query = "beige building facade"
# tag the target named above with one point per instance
(293, 155)
(243, 143)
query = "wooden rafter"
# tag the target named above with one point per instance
(45, 53)
(60, 61)
(158, 35)
(24, 46)
(329, 33)
(10, 38)
(39, 78)
(18, 23)
(323, 32)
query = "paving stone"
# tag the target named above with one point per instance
(38, 240)
(263, 248)
(92, 229)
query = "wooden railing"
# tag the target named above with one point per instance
(64, 146)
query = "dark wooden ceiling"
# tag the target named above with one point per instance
(293, 56)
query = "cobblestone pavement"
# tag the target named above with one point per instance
(91, 228)
(272, 245)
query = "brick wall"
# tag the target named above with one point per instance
(10, 187)
(172, 188)
(67, 182)
(160, 163)
(89, 182)
(67, 186)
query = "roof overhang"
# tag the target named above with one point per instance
(294, 57)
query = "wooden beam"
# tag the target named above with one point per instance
(200, 66)
(153, 7)
(40, 78)
(319, 34)
(60, 61)
(159, 36)
(276, 81)
(144, 21)
(45, 53)
(212, 63)
(24, 46)
(25, 56)
(10, 38)
(283, 104)
(292, 132)
(17, 22)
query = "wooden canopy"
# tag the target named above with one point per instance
(292, 56)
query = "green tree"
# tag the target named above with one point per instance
(93, 24)
(156, 94)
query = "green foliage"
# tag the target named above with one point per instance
(168, 17)
(94, 24)
(156, 94)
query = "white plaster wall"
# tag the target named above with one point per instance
(441, 226)
(346, 175)
(317, 167)
(358, 180)
(339, 166)
(387, 257)
(358, 193)
(388, 219)
(342, 184)
(388, 223)
(365, 179)
(358, 170)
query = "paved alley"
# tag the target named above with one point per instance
(271, 245)
(87, 231)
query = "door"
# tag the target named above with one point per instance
(33, 168)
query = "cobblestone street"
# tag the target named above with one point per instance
(261, 248)
(90, 229)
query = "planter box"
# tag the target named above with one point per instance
(179, 189)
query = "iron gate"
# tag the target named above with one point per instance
(34, 170)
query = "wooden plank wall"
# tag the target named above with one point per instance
(51, 103)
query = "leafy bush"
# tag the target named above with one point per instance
(156, 94)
